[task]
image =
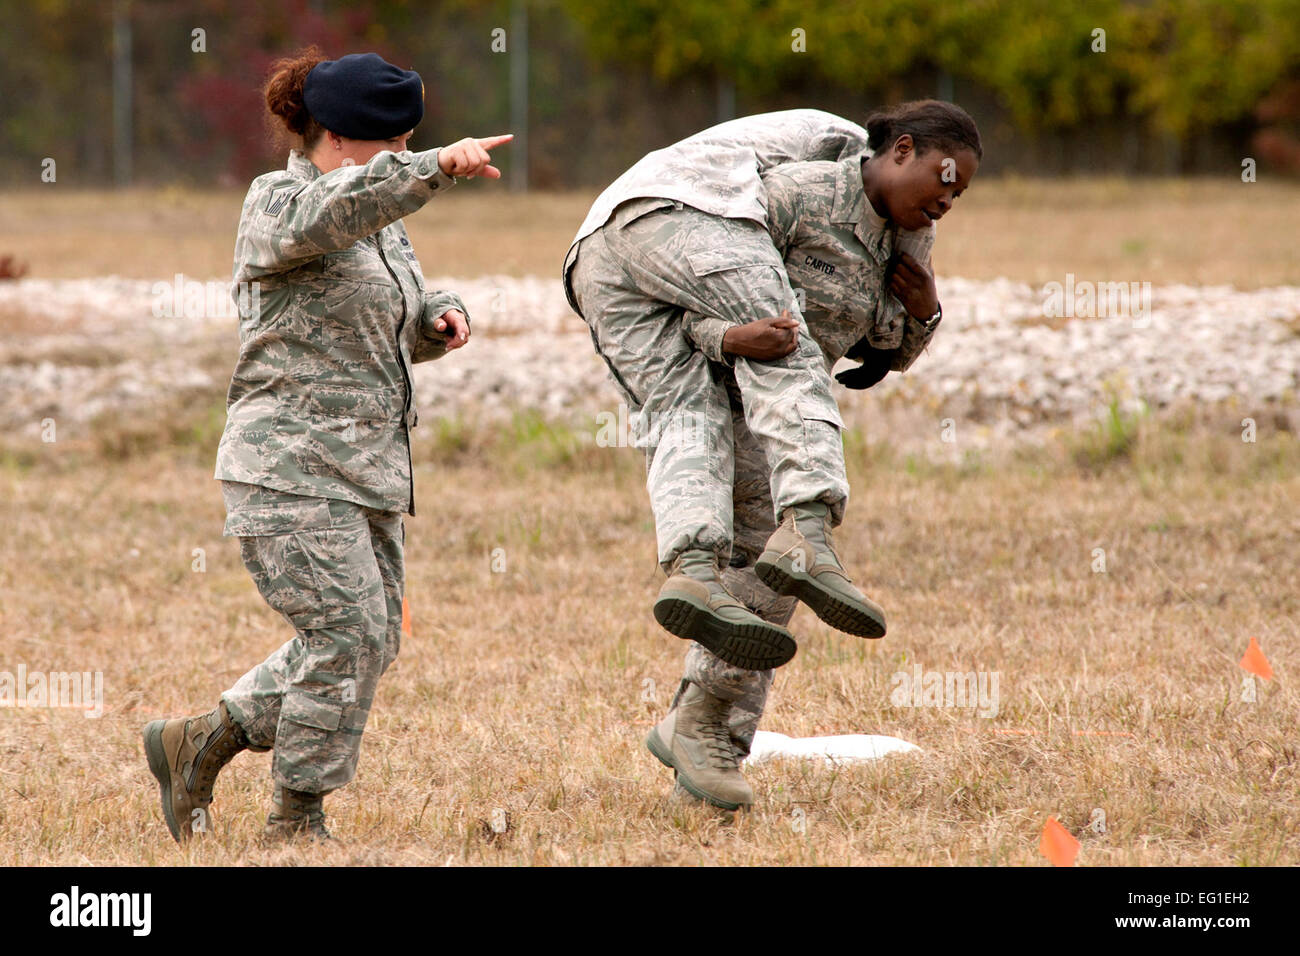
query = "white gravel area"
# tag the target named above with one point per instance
(86, 347)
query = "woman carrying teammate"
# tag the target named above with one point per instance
(721, 278)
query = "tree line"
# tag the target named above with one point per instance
(1115, 85)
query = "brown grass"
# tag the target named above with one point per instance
(522, 691)
(1195, 231)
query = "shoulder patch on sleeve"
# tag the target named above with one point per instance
(279, 198)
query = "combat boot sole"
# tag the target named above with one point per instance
(778, 572)
(755, 645)
(655, 744)
(159, 767)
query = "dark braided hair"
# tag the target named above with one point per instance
(932, 124)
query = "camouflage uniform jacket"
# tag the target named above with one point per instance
(321, 403)
(725, 171)
(717, 170)
(836, 250)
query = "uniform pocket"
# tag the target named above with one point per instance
(312, 710)
(821, 411)
(359, 263)
(720, 244)
(339, 615)
(293, 574)
(631, 210)
(269, 519)
(347, 401)
(343, 433)
(823, 443)
(705, 261)
(734, 273)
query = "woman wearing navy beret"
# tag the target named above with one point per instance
(315, 459)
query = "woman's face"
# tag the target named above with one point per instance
(913, 188)
(334, 151)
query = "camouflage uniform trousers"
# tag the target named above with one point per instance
(335, 571)
(643, 281)
(753, 521)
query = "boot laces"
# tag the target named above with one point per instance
(717, 737)
(816, 531)
(221, 747)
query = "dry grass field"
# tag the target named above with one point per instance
(524, 695)
(524, 692)
(1200, 231)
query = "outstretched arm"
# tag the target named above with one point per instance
(287, 222)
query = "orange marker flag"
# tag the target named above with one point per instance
(1254, 661)
(1058, 844)
(406, 616)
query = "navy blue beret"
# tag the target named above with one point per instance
(363, 96)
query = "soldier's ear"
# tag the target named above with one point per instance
(903, 147)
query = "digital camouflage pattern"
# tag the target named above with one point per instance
(659, 259)
(716, 170)
(837, 249)
(724, 170)
(650, 281)
(745, 690)
(661, 270)
(320, 403)
(335, 571)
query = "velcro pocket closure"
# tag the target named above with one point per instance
(631, 210)
(312, 710)
(710, 260)
(820, 411)
(346, 401)
(336, 615)
(721, 244)
(359, 263)
(279, 518)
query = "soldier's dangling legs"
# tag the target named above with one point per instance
(676, 400)
(728, 271)
(745, 690)
(334, 570)
(724, 273)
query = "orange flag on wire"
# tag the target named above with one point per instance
(406, 616)
(1058, 844)
(1254, 661)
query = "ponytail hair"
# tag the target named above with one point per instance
(287, 117)
(932, 124)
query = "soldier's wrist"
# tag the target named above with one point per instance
(428, 168)
(729, 340)
(708, 334)
(931, 319)
(728, 344)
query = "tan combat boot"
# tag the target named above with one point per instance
(296, 814)
(693, 740)
(695, 605)
(185, 755)
(799, 560)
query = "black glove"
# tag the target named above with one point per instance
(874, 367)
